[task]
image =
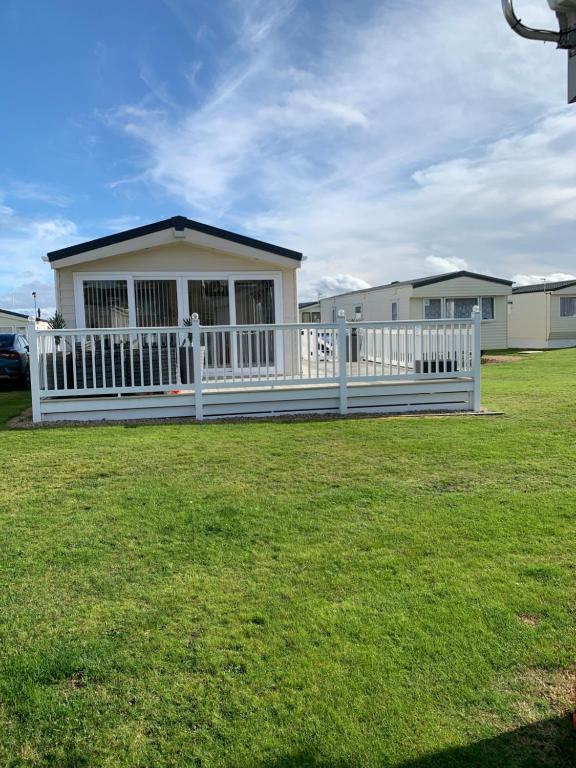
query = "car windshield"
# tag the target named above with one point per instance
(6, 340)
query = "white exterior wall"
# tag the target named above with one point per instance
(535, 321)
(11, 324)
(172, 260)
(562, 329)
(376, 304)
(494, 333)
(528, 321)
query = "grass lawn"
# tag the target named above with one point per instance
(337, 594)
(12, 402)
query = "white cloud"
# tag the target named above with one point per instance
(23, 243)
(443, 264)
(554, 277)
(416, 138)
(51, 229)
(334, 284)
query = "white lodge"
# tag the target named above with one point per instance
(162, 273)
(178, 318)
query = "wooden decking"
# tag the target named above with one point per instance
(111, 374)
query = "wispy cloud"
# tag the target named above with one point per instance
(24, 241)
(330, 285)
(554, 277)
(405, 139)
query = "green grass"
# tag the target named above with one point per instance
(12, 403)
(378, 592)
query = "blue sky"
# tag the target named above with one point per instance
(386, 139)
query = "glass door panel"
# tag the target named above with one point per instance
(255, 305)
(106, 304)
(156, 303)
(210, 299)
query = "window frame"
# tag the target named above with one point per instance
(478, 301)
(181, 290)
(567, 298)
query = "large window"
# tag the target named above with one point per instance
(458, 308)
(106, 304)
(149, 302)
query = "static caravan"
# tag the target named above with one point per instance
(543, 316)
(12, 322)
(448, 296)
(309, 312)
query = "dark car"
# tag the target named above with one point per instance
(14, 358)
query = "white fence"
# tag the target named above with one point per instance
(129, 361)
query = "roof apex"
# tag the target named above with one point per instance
(179, 223)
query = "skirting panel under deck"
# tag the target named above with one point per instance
(438, 395)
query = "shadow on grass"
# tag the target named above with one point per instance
(546, 744)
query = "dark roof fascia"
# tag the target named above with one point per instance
(179, 223)
(305, 304)
(423, 281)
(462, 273)
(14, 314)
(544, 287)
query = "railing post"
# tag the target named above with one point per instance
(476, 358)
(342, 344)
(34, 370)
(197, 362)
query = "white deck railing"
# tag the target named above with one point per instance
(122, 361)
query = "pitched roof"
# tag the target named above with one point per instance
(14, 314)
(179, 223)
(542, 287)
(420, 282)
(304, 304)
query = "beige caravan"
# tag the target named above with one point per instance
(543, 316)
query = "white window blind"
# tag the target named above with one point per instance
(487, 308)
(106, 304)
(432, 309)
(156, 303)
(460, 309)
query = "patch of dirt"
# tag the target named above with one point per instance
(77, 680)
(24, 421)
(550, 691)
(530, 619)
(502, 359)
